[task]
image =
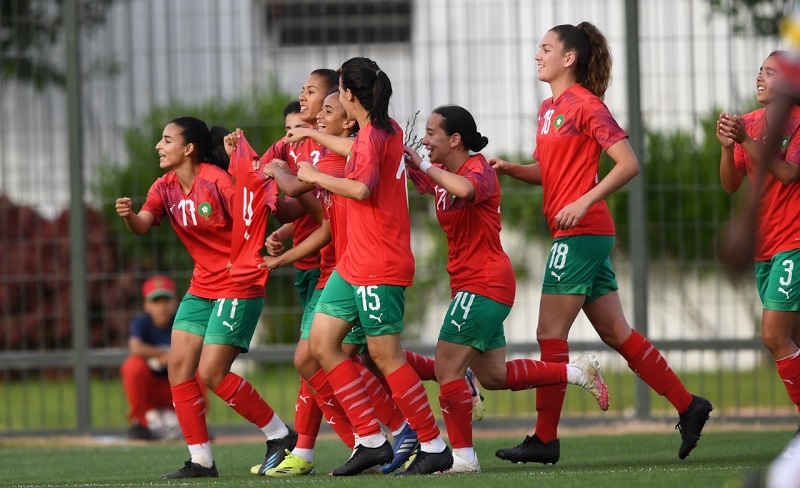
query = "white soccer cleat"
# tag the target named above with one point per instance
(478, 409)
(461, 465)
(592, 381)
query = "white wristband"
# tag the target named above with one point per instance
(425, 166)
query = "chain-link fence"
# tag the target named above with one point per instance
(87, 86)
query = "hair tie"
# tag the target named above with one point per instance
(377, 72)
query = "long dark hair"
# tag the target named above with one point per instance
(593, 64)
(371, 86)
(330, 77)
(209, 142)
(458, 120)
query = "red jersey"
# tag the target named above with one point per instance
(378, 248)
(254, 199)
(332, 164)
(476, 260)
(309, 151)
(202, 220)
(777, 226)
(572, 130)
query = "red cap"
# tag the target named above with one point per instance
(157, 287)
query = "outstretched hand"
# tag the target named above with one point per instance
(231, 140)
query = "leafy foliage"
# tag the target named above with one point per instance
(752, 17)
(161, 250)
(685, 202)
(29, 29)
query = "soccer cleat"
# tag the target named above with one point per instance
(461, 465)
(193, 470)
(429, 463)
(478, 409)
(784, 471)
(690, 424)
(141, 433)
(276, 451)
(404, 444)
(292, 465)
(364, 458)
(532, 450)
(592, 381)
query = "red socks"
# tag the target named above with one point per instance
(648, 363)
(385, 409)
(789, 371)
(424, 366)
(307, 417)
(550, 399)
(524, 374)
(411, 398)
(331, 409)
(190, 408)
(350, 390)
(240, 395)
(456, 401)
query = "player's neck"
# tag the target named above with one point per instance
(186, 173)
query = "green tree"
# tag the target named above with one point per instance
(685, 202)
(752, 17)
(161, 250)
(30, 29)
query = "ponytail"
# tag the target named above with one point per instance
(209, 143)
(371, 87)
(593, 56)
(457, 120)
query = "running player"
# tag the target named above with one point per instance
(217, 316)
(482, 282)
(333, 121)
(574, 126)
(777, 251)
(369, 281)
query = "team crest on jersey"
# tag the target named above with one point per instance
(558, 122)
(784, 143)
(205, 210)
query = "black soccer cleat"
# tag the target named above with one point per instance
(140, 433)
(276, 451)
(532, 450)
(193, 470)
(690, 424)
(429, 462)
(364, 458)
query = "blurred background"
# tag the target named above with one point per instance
(86, 87)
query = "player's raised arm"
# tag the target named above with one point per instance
(137, 223)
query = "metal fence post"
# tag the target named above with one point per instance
(636, 190)
(77, 220)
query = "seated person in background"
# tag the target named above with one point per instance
(144, 372)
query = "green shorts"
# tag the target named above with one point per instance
(355, 336)
(305, 280)
(579, 265)
(308, 314)
(379, 308)
(225, 321)
(775, 282)
(474, 320)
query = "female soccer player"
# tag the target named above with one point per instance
(369, 281)
(335, 127)
(217, 316)
(777, 250)
(482, 282)
(574, 126)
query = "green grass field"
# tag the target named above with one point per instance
(596, 461)
(42, 404)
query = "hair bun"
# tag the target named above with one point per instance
(475, 142)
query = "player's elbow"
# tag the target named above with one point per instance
(361, 192)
